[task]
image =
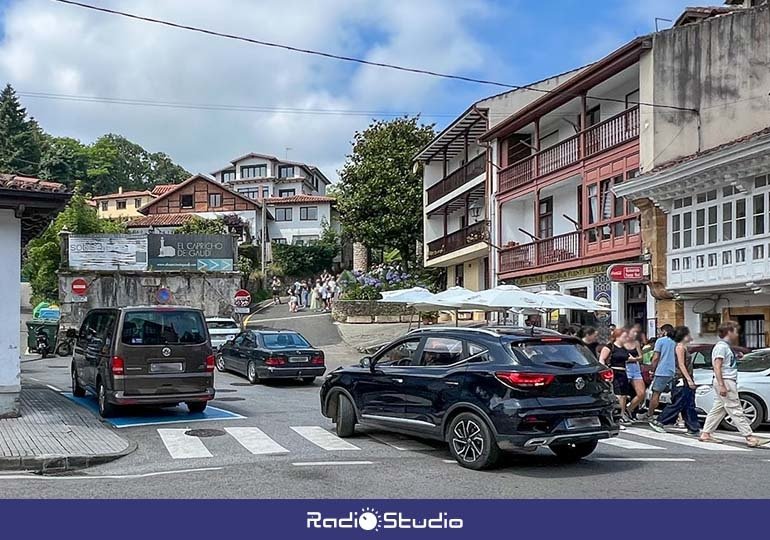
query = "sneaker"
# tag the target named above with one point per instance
(693, 433)
(657, 426)
(625, 421)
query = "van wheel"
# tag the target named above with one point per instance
(251, 372)
(346, 418)
(77, 390)
(570, 452)
(196, 406)
(106, 409)
(472, 443)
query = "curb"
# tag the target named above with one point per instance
(50, 463)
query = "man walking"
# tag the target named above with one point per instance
(663, 366)
(726, 401)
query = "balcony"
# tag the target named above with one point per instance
(594, 140)
(457, 178)
(554, 250)
(457, 240)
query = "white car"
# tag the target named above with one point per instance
(753, 387)
(221, 329)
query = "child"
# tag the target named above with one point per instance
(293, 300)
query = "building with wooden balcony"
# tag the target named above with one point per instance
(703, 188)
(558, 161)
(456, 180)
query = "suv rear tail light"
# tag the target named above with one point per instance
(317, 360)
(117, 365)
(275, 361)
(210, 361)
(517, 379)
(607, 375)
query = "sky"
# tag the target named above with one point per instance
(49, 47)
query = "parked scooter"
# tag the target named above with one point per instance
(42, 346)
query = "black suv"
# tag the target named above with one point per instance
(481, 391)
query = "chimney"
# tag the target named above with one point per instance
(120, 189)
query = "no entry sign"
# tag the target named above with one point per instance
(79, 286)
(242, 298)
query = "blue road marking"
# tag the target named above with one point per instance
(150, 416)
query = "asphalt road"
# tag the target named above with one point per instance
(284, 449)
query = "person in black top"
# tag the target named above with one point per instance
(590, 339)
(615, 355)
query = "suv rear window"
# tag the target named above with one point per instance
(163, 328)
(555, 354)
(283, 340)
(221, 325)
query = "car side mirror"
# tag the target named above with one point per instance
(365, 362)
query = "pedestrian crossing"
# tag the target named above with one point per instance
(634, 441)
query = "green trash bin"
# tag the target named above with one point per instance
(50, 327)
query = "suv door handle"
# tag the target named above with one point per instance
(452, 383)
(398, 380)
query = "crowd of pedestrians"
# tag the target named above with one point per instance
(668, 363)
(316, 295)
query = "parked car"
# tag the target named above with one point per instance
(157, 355)
(272, 354)
(701, 354)
(481, 391)
(221, 329)
(753, 388)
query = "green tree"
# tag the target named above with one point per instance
(64, 160)
(379, 193)
(43, 256)
(199, 225)
(20, 137)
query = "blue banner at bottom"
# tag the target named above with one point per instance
(212, 519)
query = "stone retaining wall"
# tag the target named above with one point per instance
(369, 311)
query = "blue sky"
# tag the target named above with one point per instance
(49, 47)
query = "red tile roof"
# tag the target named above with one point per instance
(685, 159)
(295, 199)
(28, 183)
(161, 220)
(160, 189)
(123, 195)
(194, 178)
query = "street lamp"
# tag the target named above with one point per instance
(475, 209)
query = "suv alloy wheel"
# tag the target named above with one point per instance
(471, 442)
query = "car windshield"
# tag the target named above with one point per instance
(754, 362)
(553, 354)
(283, 340)
(163, 327)
(221, 325)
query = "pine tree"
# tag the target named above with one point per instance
(20, 137)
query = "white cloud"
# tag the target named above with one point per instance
(50, 47)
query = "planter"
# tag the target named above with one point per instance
(368, 311)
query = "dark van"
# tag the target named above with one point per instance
(157, 355)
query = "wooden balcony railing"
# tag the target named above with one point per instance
(453, 241)
(557, 249)
(598, 138)
(458, 177)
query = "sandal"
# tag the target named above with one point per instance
(756, 442)
(710, 439)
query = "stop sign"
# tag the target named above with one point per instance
(79, 286)
(242, 298)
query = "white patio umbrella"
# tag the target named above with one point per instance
(500, 298)
(406, 296)
(559, 300)
(445, 301)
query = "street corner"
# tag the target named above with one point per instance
(53, 435)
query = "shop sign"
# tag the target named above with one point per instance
(627, 272)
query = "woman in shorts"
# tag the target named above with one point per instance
(634, 371)
(615, 356)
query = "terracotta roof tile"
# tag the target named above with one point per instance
(123, 195)
(160, 189)
(685, 159)
(28, 183)
(160, 220)
(294, 199)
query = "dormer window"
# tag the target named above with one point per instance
(286, 171)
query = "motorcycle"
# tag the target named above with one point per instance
(42, 346)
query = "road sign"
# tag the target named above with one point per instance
(163, 296)
(627, 273)
(215, 265)
(242, 299)
(79, 287)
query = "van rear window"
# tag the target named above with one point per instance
(163, 328)
(555, 354)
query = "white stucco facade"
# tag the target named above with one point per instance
(10, 275)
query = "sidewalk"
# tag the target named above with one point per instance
(54, 435)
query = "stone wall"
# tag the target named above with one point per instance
(368, 311)
(211, 292)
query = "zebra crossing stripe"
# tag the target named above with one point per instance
(181, 446)
(679, 439)
(322, 438)
(629, 444)
(255, 440)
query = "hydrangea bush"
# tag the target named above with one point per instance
(358, 285)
